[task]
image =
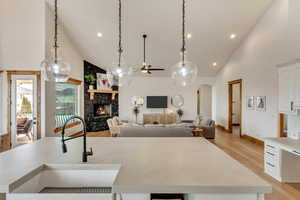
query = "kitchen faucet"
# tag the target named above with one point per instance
(85, 153)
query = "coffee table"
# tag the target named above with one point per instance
(198, 132)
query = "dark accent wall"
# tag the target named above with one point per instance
(97, 123)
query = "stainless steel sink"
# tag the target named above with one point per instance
(66, 182)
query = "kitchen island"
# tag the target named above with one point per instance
(190, 166)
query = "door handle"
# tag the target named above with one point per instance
(292, 106)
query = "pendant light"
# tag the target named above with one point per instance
(119, 72)
(56, 69)
(184, 73)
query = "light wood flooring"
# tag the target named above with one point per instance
(252, 156)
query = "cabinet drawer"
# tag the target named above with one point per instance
(271, 158)
(271, 149)
(271, 169)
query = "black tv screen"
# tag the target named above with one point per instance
(157, 102)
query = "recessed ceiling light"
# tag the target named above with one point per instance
(99, 34)
(215, 64)
(189, 36)
(232, 36)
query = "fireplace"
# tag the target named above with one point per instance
(102, 110)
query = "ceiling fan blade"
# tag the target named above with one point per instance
(157, 69)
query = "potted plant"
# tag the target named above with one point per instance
(136, 112)
(180, 114)
(90, 80)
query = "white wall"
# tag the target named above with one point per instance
(22, 34)
(159, 86)
(255, 62)
(206, 101)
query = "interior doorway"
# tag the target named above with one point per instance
(235, 107)
(24, 107)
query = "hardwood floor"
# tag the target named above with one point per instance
(251, 155)
(99, 134)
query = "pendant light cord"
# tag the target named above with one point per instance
(55, 31)
(183, 49)
(144, 36)
(120, 51)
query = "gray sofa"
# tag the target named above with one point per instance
(209, 128)
(168, 130)
(152, 131)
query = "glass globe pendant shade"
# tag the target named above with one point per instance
(61, 71)
(119, 74)
(46, 69)
(184, 73)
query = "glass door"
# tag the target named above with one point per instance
(23, 109)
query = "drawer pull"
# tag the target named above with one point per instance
(272, 154)
(270, 146)
(270, 164)
(296, 152)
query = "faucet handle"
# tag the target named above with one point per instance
(90, 153)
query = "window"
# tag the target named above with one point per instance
(67, 102)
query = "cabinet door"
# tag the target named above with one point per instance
(285, 89)
(296, 86)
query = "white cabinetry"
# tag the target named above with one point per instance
(282, 159)
(295, 92)
(289, 89)
(273, 161)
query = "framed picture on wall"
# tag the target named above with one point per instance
(250, 103)
(261, 103)
(102, 82)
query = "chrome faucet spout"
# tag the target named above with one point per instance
(85, 153)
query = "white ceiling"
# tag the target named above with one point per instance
(211, 22)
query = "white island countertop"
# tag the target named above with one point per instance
(287, 144)
(148, 165)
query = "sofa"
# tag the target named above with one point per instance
(209, 128)
(155, 131)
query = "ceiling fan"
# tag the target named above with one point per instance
(146, 68)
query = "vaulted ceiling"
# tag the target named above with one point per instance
(211, 22)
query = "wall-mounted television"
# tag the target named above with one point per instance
(157, 102)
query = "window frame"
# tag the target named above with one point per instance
(77, 83)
